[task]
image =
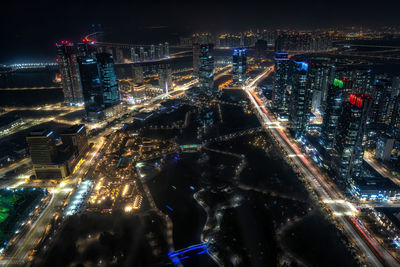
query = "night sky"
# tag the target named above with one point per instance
(29, 29)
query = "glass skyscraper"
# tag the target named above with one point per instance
(349, 140)
(99, 84)
(206, 68)
(333, 103)
(239, 65)
(300, 99)
(282, 82)
(68, 68)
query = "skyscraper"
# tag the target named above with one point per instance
(45, 157)
(164, 77)
(349, 139)
(119, 55)
(282, 82)
(206, 68)
(108, 79)
(196, 59)
(68, 68)
(161, 51)
(99, 83)
(300, 99)
(91, 84)
(239, 65)
(334, 100)
(86, 48)
(152, 52)
(141, 53)
(382, 108)
(42, 147)
(75, 138)
(166, 49)
(137, 73)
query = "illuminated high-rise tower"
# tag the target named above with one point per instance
(300, 99)
(333, 107)
(282, 82)
(196, 59)
(164, 77)
(68, 68)
(152, 52)
(87, 48)
(166, 49)
(206, 68)
(239, 65)
(99, 84)
(349, 139)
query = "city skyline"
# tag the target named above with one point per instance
(141, 21)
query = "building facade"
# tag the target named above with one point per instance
(349, 139)
(68, 68)
(300, 99)
(239, 65)
(206, 68)
(282, 83)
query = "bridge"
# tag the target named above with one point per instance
(177, 256)
(233, 135)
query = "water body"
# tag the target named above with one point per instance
(27, 79)
(259, 218)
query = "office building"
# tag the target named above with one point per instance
(206, 68)
(42, 147)
(44, 155)
(134, 56)
(137, 73)
(166, 49)
(196, 59)
(349, 139)
(165, 77)
(384, 147)
(300, 99)
(153, 52)
(76, 139)
(384, 96)
(108, 79)
(281, 87)
(99, 83)
(333, 107)
(239, 66)
(160, 51)
(141, 53)
(87, 48)
(68, 68)
(119, 55)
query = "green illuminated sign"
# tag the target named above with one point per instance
(338, 83)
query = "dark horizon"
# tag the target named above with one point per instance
(30, 31)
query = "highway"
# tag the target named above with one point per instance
(368, 157)
(21, 249)
(320, 183)
(14, 166)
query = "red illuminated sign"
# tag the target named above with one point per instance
(357, 99)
